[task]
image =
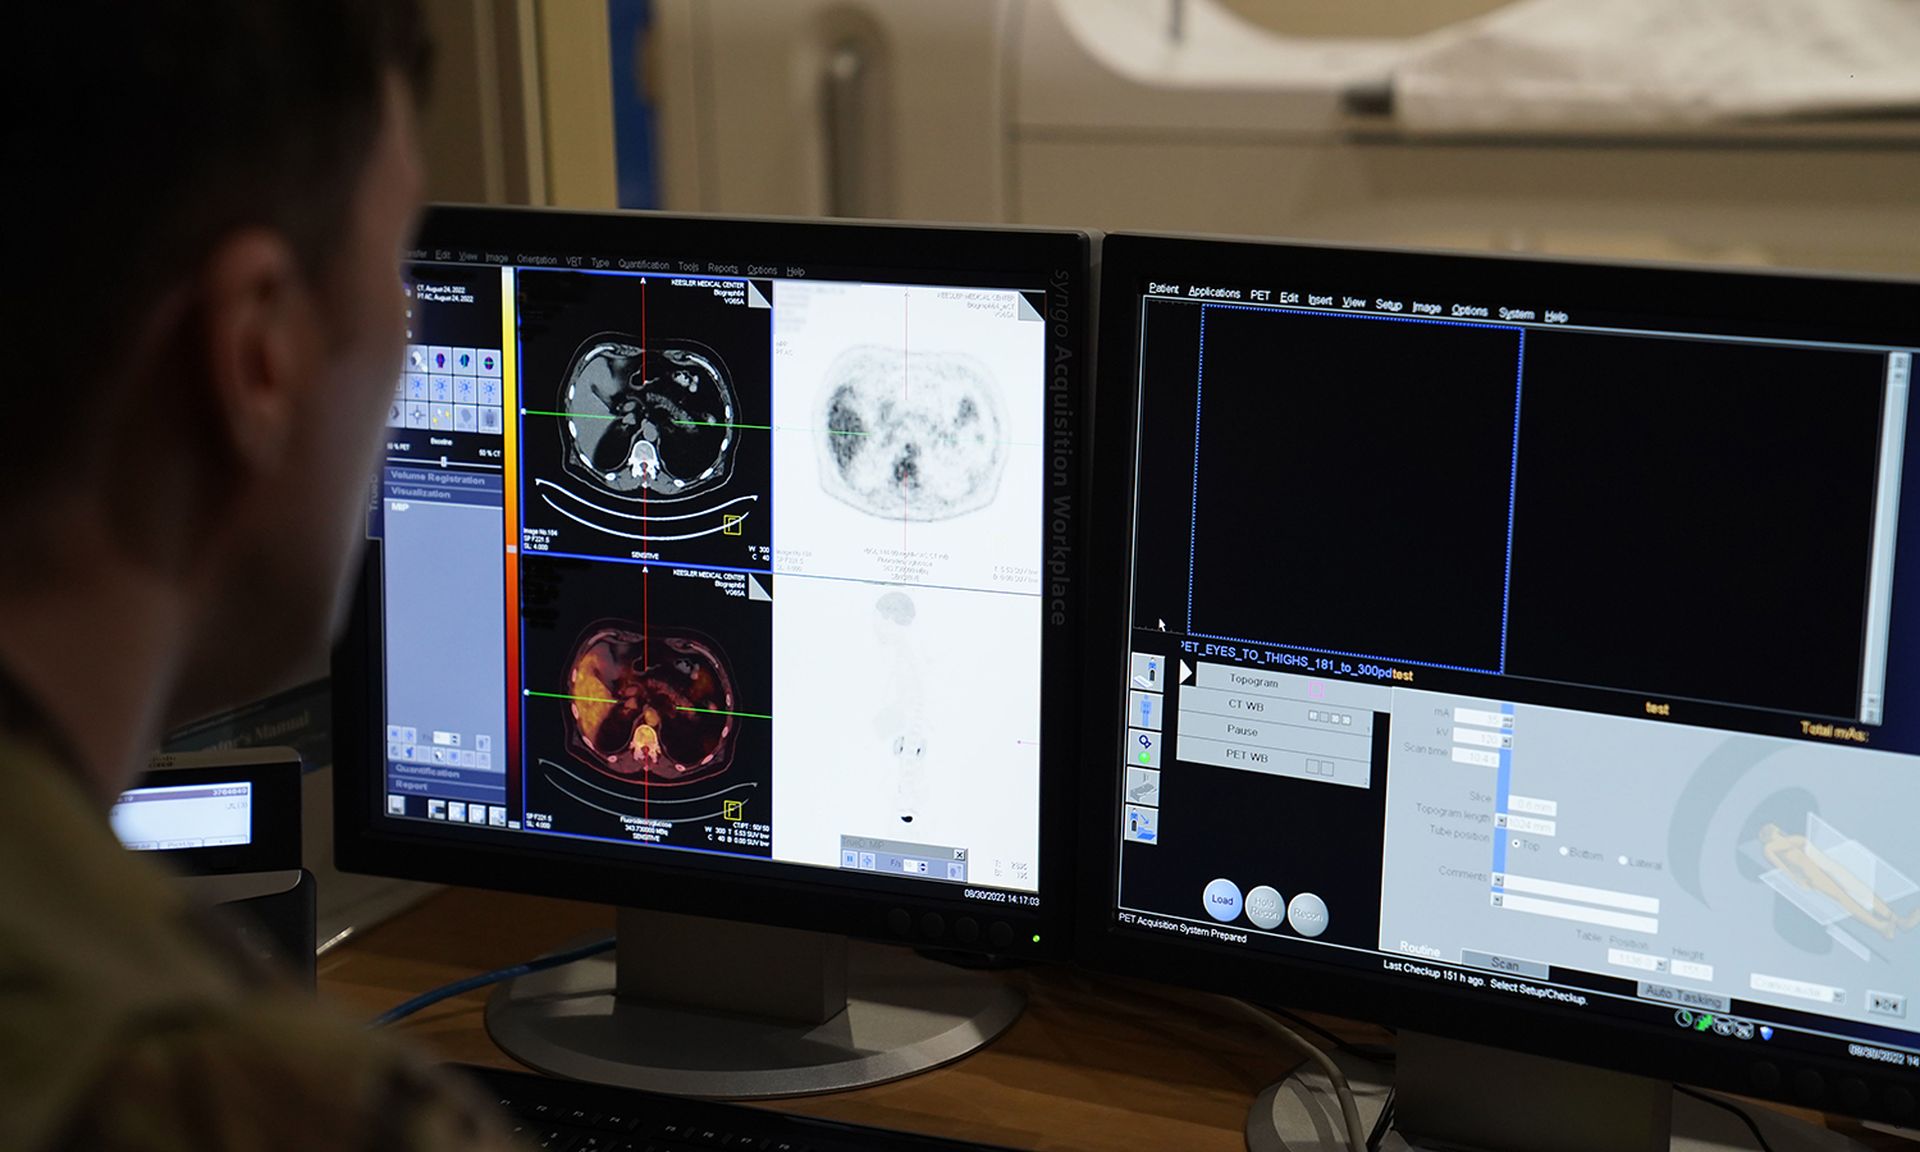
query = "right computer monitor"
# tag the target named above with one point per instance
(1521, 651)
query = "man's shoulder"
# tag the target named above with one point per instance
(92, 940)
(79, 915)
(275, 1073)
(125, 1024)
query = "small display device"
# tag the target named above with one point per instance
(227, 824)
(734, 548)
(216, 813)
(1521, 650)
(174, 817)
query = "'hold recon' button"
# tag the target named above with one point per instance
(1222, 899)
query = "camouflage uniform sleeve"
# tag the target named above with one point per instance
(277, 1074)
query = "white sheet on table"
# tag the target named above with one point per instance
(1555, 65)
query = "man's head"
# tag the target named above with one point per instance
(206, 318)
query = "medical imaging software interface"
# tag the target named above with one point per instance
(724, 567)
(1567, 658)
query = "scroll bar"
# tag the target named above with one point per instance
(1886, 519)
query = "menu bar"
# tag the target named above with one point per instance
(1473, 311)
(599, 263)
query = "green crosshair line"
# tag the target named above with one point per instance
(761, 427)
(681, 707)
(569, 415)
(797, 428)
(564, 696)
(725, 424)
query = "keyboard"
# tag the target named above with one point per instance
(571, 1116)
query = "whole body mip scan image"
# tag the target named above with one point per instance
(242, 302)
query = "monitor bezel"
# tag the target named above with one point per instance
(903, 912)
(1811, 306)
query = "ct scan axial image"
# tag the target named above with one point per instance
(913, 435)
(651, 421)
(650, 710)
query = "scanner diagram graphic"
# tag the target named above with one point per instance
(1838, 882)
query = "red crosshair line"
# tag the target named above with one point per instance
(906, 358)
(646, 571)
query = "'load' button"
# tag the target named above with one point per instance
(1223, 901)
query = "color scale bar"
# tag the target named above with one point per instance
(510, 509)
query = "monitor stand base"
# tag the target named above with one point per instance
(712, 1008)
(1465, 1096)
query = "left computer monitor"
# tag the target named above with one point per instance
(715, 567)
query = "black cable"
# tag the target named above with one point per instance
(447, 991)
(1382, 1124)
(1759, 1137)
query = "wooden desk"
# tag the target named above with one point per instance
(1094, 1063)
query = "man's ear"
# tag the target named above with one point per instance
(260, 343)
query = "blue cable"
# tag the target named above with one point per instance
(447, 991)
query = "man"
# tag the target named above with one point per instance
(205, 321)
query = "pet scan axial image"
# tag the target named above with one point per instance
(650, 711)
(648, 419)
(914, 435)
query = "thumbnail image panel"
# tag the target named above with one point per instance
(646, 704)
(908, 441)
(908, 714)
(449, 392)
(644, 428)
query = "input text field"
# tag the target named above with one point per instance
(1605, 897)
(1584, 915)
(1481, 718)
(1480, 757)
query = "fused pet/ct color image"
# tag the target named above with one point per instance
(646, 705)
(657, 417)
(913, 435)
(655, 707)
